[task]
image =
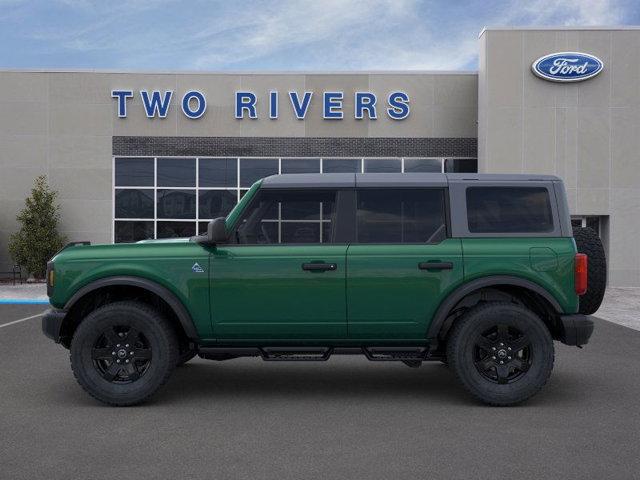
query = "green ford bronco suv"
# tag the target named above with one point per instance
(481, 272)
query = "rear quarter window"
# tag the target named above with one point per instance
(509, 210)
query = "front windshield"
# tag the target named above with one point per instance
(239, 208)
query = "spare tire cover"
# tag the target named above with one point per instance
(588, 242)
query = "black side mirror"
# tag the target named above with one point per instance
(217, 231)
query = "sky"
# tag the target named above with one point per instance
(280, 35)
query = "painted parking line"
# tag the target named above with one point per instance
(23, 301)
(21, 320)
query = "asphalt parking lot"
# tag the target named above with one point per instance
(346, 418)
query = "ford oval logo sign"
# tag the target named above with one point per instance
(567, 66)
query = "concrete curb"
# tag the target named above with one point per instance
(23, 301)
(25, 294)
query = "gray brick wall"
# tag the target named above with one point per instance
(295, 146)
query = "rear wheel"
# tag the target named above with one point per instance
(123, 352)
(501, 352)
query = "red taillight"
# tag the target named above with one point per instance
(581, 273)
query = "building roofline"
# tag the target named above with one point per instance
(561, 27)
(237, 72)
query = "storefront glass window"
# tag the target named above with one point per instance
(134, 172)
(176, 229)
(216, 203)
(176, 203)
(300, 165)
(253, 169)
(218, 172)
(126, 232)
(177, 197)
(134, 203)
(176, 172)
(341, 165)
(461, 165)
(428, 165)
(383, 165)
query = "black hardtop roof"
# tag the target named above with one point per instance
(350, 180)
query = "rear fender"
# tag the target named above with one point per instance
(440, 326)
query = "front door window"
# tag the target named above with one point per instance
(288, 217)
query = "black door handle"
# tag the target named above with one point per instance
(319, 267)
(435, 265)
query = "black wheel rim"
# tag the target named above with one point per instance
(121, 354)
(502, 354)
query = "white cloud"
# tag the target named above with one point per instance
(341, 24)
(569, 12)
(384, 35)
(299, 34)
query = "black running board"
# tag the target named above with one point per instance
(295, 354)
(398, 354)
(319, 354)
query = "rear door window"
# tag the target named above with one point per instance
(509, 210)
(401, 216)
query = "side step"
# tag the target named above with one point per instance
(319, 354)
(401, 354)
(295, 354)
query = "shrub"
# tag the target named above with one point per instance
(38, 238)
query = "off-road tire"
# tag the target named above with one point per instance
(152, 327)
(588, 242)
(462, 349)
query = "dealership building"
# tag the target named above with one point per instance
(157, 155)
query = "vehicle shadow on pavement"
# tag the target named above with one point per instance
(348, 380)
(433, 383)
(304, 381)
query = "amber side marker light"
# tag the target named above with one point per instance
(581, 273)
(51, 277)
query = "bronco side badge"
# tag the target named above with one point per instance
(197, 268)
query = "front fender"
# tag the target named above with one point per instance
(170, 267)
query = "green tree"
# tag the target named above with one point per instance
(38, 238)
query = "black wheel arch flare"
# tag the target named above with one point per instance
(181, 312)
(439, 325)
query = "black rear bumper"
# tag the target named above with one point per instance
(576, 329)
(52, 323)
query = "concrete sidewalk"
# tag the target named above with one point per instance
(24, 293)
(621, 304)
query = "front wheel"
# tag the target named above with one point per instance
(501, 352)
(123, 352)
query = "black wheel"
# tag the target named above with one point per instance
(501, 352)
(123, 352)
(588, 242)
